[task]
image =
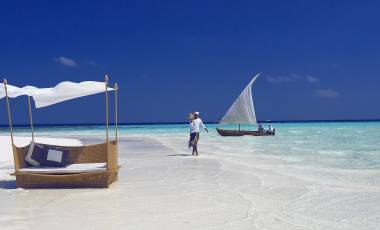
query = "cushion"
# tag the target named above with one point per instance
(69, 169)
(35, 154)
(54, 156)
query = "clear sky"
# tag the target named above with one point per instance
(318, 59)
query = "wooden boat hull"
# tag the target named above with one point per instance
(238, 133)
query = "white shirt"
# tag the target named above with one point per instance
(194, 126)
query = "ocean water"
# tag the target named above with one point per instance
(347, 145)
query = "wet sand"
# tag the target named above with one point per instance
(161, 186)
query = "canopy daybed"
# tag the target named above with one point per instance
(89, 166)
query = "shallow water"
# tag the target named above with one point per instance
(348, 145)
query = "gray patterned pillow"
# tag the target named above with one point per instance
(35, 154)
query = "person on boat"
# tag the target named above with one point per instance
(196, 124)
(260, 127)
(192, 132)
(270, 128)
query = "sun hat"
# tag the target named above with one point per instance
(196, 113)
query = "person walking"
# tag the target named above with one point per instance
(192, 133)
(195, 125)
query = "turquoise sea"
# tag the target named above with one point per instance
(348, 145)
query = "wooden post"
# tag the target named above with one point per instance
(9, 111)
(106, 83)
(116, 111)
(10, 125)
(31, 118)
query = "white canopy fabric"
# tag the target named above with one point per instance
(242, 110)
(62, 92)
(13, 91)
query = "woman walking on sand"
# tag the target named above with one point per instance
(192, 133)
(195, 124)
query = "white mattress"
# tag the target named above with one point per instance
(73, 168)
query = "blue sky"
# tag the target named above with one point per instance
(318, 59)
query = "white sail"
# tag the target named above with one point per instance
(242, 110)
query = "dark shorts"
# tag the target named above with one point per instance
(194, 137)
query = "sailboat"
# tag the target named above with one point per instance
(242, 111)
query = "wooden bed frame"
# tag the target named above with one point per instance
(106, 152)
(98, 153)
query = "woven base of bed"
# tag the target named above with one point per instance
(98, 153)
(81, 180)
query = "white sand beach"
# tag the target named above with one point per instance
(161, 186)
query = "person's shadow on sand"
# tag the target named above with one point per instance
(8, 184)
(180, 155)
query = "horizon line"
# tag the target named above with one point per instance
(181, 122)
